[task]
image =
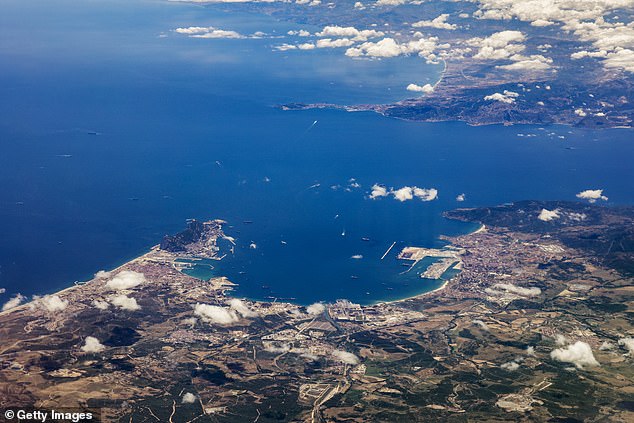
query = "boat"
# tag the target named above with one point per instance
(365, 239)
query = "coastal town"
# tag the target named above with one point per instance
(147, 342)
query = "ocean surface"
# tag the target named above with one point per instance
(114, 130)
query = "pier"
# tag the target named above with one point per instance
(388, 250)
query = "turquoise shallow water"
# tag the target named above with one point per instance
(115, 130)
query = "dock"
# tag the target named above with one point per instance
(437, 269)
(449, 257)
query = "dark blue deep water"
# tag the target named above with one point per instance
(114, 130)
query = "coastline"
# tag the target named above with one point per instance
(421, 295)
(75, 286)
(445, 283)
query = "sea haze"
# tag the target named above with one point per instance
(115, 129)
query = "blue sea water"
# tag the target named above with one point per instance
(114, 130)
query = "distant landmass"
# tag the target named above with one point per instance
(565, 63)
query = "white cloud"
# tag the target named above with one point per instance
(224, 1)
(388, 47)
(592, 195)
(190, 321)
(242, 308)
(577, 217)
(530, 350)
(628, 343)
(548, 215)
(219, 33)
(191, 30)
(581, 113)
(101, 305)
(508, 45)
(207, 32)
(606, 346)
(425, 194)
(345, 357)
(579, 354)
(389, 2)
(276, 347)
(403, 194)
(378, 191)
(215, 314)
(285, 47)
(439, 23)
(507, 97)
(15, 301)
(125, 279)
(53, 303)
(102, 274)
(535, 62)
(330, 43)
(300, 33)
(92, 345)
(542, 23)
(334, 31)
(612, 41)
(125, 303)
(427, 88)
(547, 10)
(359, 6)
(500, 45)
(189, 398)
(584, 53)
(560, 339)
(510, 366)
(303, 46)
(309, 356)
(315, 309)
(514, 289)
(622, 58)
(480, 324)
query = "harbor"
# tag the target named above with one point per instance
(448, 258)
